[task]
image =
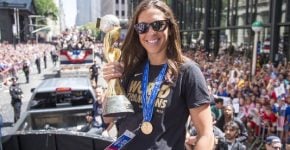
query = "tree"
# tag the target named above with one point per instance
(92, 27)
(46, 8)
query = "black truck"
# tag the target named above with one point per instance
(54, 118)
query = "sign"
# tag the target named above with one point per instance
(76, 56)
(280, 91)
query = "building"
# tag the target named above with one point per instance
(61, 15)
(220, 23)
(90, 10)
(217, 24)
(14, 20)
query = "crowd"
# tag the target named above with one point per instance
(21, 56)
(73, 38)
(261, 102)
(13, 59)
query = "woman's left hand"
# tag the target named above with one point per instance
(112, 70)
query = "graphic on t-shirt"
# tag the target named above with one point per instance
(135, 94)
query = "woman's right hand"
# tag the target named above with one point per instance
(112, 70)
(191, 140)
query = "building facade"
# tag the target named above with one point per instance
(90, 10)
(14, 20)
(217, 24)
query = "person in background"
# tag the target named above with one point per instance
(232, 132)
(273, 143)
(95, 122)
(287, 144)
(45, 59)
(217, 108)
(94, 70)
(269, 120)
(16, 98)
(152, 50)
(37, 63)
(54, 57)
(26, 70)
(228, 115)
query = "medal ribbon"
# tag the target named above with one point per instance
(149, 105)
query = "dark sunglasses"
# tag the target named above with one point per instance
(159, 25)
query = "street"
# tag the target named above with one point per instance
(35, 79)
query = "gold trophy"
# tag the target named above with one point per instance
(116, 104)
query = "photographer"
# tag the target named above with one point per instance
(16, 98)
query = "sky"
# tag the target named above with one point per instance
(70, 11)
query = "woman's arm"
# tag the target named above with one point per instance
(202, 120)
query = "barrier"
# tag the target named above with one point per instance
(7, 74)
(55, 140)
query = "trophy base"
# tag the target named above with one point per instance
(117, 106)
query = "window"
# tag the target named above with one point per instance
(123, 1)
(117, 12)
(123, 13)
(117, 1)
(53, 99)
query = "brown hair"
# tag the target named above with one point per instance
(232, 124)
(133, 53)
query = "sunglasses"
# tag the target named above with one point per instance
(159, 26)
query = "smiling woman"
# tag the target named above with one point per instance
(161, 83)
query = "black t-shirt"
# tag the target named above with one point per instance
(171, 107)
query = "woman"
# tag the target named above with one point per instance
(228, 116)
(163, 86)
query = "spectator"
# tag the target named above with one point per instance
(287, 145)
(273, 143)
(94, 119)
(26, 70)
(269, 120)
(231, 142)
(217, 108)
(281, 116)
(228, 115)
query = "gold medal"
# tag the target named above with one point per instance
(146, 127)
